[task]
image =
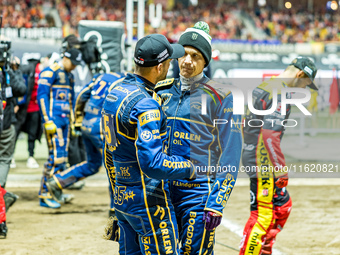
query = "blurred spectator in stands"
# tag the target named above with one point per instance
(22, 14)
(297, 24)
(287, 25)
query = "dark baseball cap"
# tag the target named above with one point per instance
(154, 49)
(74, 55)
(71, 41)
(308, 67)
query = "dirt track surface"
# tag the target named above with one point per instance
(76, 228)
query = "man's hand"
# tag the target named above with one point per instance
(112, 229)
(212, 220)
(16, 109)
(193, 173)
(50, 128)
(282, 181)
(75, 130)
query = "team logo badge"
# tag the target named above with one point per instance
(124, 171)
(265, 192)
(194, 36)
(166, 98)
(146, 135)
(61, 94)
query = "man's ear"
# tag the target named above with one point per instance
(301, 74)
(159, 67)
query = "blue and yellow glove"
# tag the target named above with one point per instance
(50, 128)
(76, 129)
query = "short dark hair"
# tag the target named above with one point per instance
(143, 70)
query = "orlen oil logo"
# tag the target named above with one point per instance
(204, 98)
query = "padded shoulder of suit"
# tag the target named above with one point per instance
(97, 78)
(273, 83)
(117, 75)
(164, 84)
(126, 97)
(127, 104)
(216, 87)
(111, 77)
(55, 66)
(46, 73)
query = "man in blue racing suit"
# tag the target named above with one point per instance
(87, 119)
(135, 157)
(215, 149)
(55, 95)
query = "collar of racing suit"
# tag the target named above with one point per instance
(61, 65)
(187, 82)
(148, 84)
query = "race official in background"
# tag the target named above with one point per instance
(214, 149)
(55, 99)
(270, 203)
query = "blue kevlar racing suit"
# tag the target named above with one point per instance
(87, 111)
(55, 95)
(210, 147)
(135, 138)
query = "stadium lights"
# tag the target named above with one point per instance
(334, 5)
(194, 2)
(288, 5)
(261, 2)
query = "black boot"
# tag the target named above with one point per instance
(10, 199)
(3, 230)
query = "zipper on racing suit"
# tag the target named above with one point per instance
(173, 124)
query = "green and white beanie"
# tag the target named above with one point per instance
(199, 38)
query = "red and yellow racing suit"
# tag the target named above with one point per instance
(264, 162)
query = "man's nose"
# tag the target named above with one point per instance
(187, 59)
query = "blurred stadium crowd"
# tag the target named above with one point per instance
(226, 20)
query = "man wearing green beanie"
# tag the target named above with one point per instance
(214, 149)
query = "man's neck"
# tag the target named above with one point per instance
(150, 78)
(187, 82)
(287, 78)
(60, 63)
(146, 80)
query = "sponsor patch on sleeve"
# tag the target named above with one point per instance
(46, 74)
(44, 82)
(149, 116)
